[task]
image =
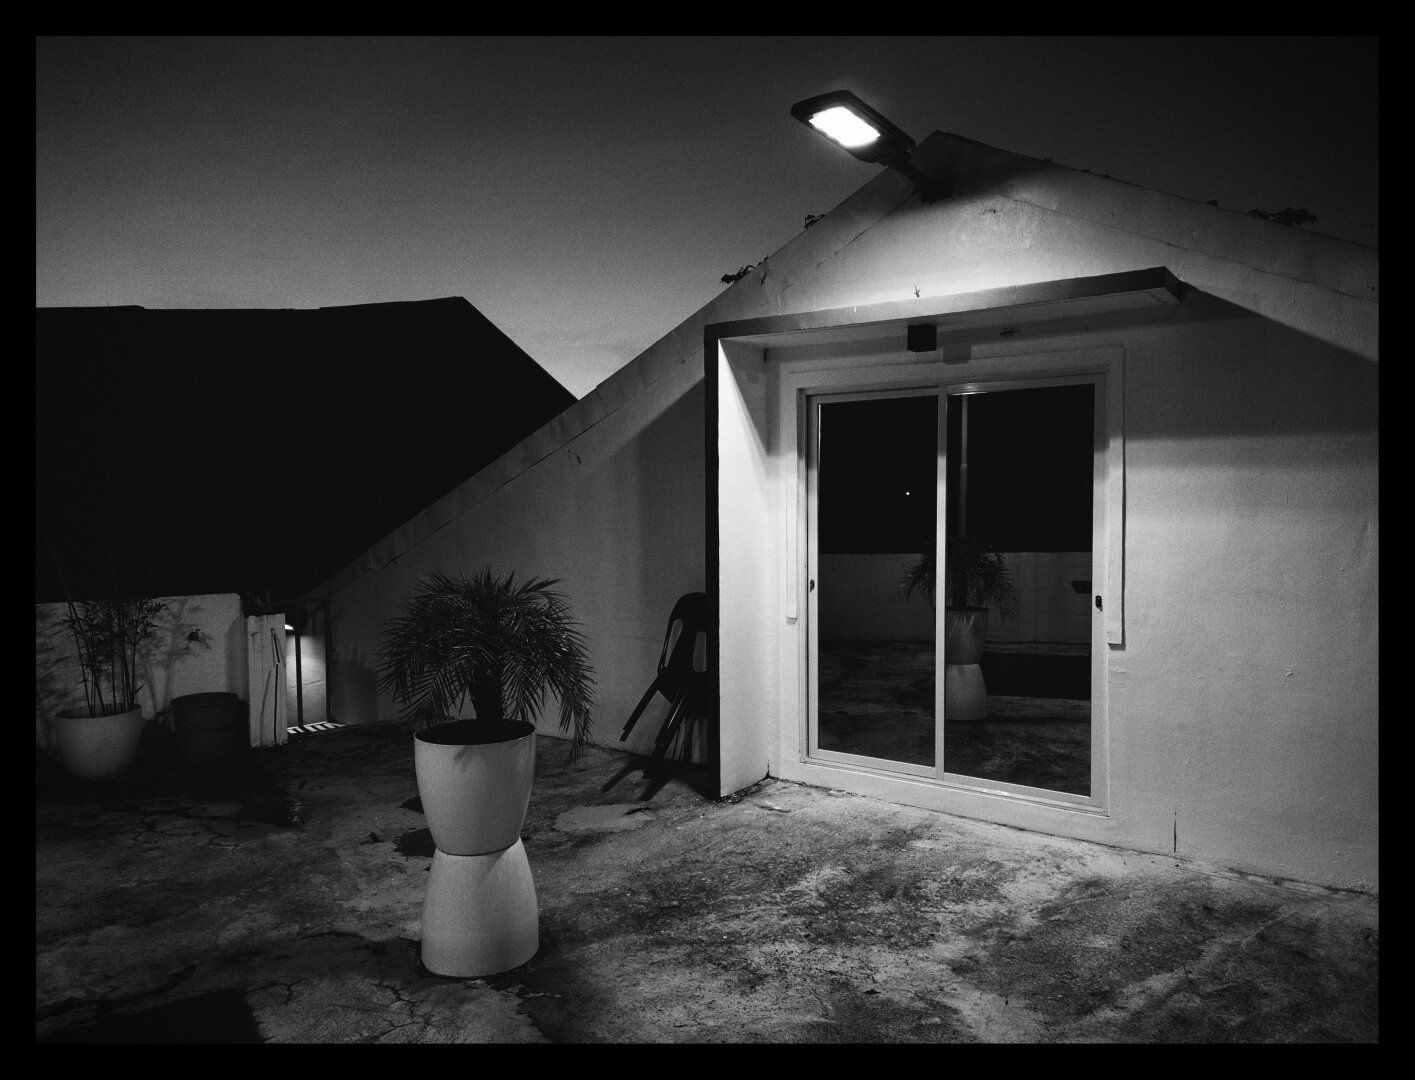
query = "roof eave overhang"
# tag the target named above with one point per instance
(1154, 289)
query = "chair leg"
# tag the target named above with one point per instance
(666, 733)
(691, 722)
(639, 709)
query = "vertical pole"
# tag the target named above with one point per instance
(299, 681)
(963, 466)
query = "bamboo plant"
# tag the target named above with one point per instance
(109, 635)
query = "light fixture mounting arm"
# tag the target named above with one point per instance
(931, 188)
(867, 135)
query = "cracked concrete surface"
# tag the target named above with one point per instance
(279, 901)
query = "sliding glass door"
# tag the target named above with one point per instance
(974, 668)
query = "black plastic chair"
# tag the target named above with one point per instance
(678, 678)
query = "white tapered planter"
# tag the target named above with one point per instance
(965, 694)
(98, 746)
(480, 915)
(475, 795)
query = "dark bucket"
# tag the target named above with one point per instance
(207, 727)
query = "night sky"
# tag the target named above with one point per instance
(588, 194)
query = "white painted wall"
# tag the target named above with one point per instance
(1048, 608)
(755, 552)
(1245, 700)
(200, 648)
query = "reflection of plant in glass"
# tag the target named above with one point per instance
(494, 642)
(109, 634)
(974, 576)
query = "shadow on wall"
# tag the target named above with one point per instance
(186, 640)
(353, 699)
(1266, 380)
(1252, 457)
(658, 528)
(236, 653)
(52, 687)
(670, 492)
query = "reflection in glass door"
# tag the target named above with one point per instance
(1018, 598)
(979, 670)
(874, 477)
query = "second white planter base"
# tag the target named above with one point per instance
(480, 915)
(965, 695)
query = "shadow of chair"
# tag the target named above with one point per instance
(680, 679)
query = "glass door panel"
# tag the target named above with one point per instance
(873, 520)
(1018, 595)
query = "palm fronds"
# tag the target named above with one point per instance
(973, 576)
(493, 642)
(919, 578)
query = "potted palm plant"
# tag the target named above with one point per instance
(101, 737)
(975, 579)
(499, 646)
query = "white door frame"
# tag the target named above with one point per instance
(810, 450)
(801, 380)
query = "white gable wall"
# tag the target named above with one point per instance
(1242, 710)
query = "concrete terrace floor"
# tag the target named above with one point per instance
(278, 900)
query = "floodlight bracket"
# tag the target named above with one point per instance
(891, 149)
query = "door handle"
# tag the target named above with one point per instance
(1098, 603)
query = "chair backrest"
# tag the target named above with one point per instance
(690, 613)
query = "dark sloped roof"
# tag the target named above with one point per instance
(202, 451)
